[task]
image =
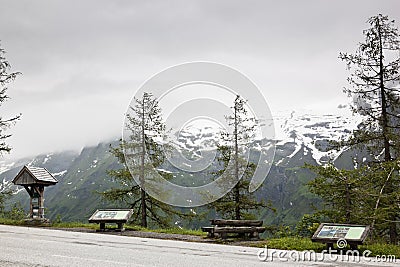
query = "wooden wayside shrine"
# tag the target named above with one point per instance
(34, 180)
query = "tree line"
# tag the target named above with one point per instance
(145, 127)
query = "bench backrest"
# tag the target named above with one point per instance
(221, 222)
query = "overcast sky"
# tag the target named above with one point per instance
(83, 60)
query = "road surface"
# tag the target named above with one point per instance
(24, 246)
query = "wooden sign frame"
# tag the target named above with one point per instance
(118, 216)
(332, 232)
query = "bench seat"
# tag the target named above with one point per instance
(223, 231)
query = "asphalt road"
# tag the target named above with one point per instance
(23, 246)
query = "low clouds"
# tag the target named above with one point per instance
(83, 60)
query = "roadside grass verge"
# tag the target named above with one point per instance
(7, 221)
(291, 243)
(131, 228)
(180, 231)
(74, 225)
(380, 249)
(93, 226)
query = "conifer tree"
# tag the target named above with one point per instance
(370, 192)
(374, 86)
(143, 152)
(344, 201)
(5, 78)
(239, 202)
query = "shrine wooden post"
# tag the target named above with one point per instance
(34, 180)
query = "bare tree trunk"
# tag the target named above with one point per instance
(348, 202)
(142, 181)
(237, 192)
(386, 144)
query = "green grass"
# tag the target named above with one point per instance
(379, 249)
(181, 231)
(291, 243)
(96, 226)
(132, 228)
(11, 222)
(167, 230)
(74, 225)
(7, 221)
(127, 227)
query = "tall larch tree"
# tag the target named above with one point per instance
(369, 193)
(375, 87)
(238, 203)
(5, 78)
(143, 152)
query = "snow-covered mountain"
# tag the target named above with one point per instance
(303, 130)
(301, 136)
(312, 132)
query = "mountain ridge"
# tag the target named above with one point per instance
(300, 138)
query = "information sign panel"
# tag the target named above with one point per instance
(113, 215)
(332, 232)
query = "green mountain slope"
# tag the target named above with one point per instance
(82, 175)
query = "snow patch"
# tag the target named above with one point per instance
(164, 170)
(6, 166)
(94, 163)
(47, 158)
(61, 173)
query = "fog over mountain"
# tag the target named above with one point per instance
(301, 137)
(83, 61)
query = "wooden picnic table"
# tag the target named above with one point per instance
(221, 228)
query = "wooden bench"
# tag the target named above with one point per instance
(221, 228)
(341, 234)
